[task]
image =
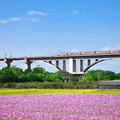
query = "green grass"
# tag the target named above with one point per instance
(57, 91)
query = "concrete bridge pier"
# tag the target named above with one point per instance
(81, 65)
(64, 65)
(8, 62)
(28, 62)
(72, 65)
(57, 64)
(89, 62)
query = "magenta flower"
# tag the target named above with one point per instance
(60, 107)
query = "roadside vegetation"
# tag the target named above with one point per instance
(51, 85)
(39, 78)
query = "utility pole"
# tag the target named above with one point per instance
(5, 55)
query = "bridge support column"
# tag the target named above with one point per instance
(28, 62)
(89, 62)
(70, 65)
(57, 64)
(74, 65)
(8, 62)
(64, 65)
(81, 65)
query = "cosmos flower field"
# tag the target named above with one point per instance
(60, 107)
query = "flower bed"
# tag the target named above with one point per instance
(60, 106)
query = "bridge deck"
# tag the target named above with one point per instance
(110, 55)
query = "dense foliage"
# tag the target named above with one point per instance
(39, 74)
(98, 75)
(14, 74)
(13, 77)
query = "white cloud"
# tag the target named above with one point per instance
(30, 19)
(116, 47)
(106, 49)
(73, 51)
(75, 12)
(36, 13)
(10, 19)
(3, 21)
(15, 18)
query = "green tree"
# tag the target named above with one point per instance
(96, 75)
(7, 75)
(109, 75)
(39, 70)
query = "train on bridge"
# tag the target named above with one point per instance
(88, 53)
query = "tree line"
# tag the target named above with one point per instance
(39, 74)
(101, 75)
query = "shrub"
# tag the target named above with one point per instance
(51, 85)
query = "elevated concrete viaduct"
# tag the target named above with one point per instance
(72, 60)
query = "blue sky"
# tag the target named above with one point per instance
(43, 27)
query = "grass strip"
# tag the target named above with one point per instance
(57, 91)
